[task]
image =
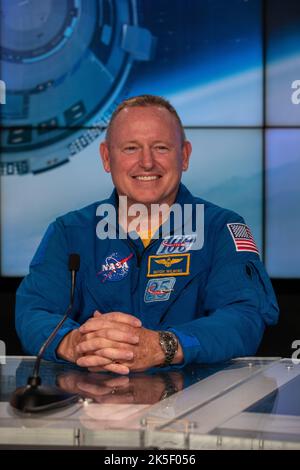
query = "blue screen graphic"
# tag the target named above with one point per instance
(283, 202)
(68, 63)
(283, 64)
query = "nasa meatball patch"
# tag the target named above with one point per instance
(114, 267)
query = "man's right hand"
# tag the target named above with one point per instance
(67, 347)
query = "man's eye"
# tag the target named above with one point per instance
(161, 148)
(130, 149)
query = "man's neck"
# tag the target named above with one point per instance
(141, 217)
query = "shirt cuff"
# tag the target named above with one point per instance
(190, 347)
(50, 353)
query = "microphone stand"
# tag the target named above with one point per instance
(35, 397)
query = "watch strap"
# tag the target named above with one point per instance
(169, 345)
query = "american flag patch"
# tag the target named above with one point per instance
(242, 237)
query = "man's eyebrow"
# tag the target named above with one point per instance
(126, 142)
(161, 141)
(155, 142)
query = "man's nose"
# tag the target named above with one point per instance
(146, 159)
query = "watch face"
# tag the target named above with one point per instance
(65, 64)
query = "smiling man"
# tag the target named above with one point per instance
(151, 299)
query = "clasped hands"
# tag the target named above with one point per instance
(114, 342)
(105, 389)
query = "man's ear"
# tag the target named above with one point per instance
(186, 153)
(104, 152)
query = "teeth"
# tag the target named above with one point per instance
(147, 178)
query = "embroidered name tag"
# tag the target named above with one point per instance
(174, 265)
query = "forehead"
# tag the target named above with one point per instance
(145, 120)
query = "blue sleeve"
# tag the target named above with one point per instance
(238, 302)
(43, 295)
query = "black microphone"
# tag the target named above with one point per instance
(34, 397)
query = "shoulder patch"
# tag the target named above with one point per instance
(242, 237)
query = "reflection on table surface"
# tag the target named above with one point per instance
(106, 388)
(108, 401)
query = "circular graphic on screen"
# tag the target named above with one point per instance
(65, 64)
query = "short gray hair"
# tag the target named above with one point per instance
(144, 101)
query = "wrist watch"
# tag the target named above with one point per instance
(169, 345)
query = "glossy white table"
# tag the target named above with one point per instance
(249, 403)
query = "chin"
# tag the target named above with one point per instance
(145, 200)
(148, 197)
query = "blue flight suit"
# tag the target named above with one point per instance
(216, 299)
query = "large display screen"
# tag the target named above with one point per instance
(283, 202)
(282, 158)
(283, 63)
